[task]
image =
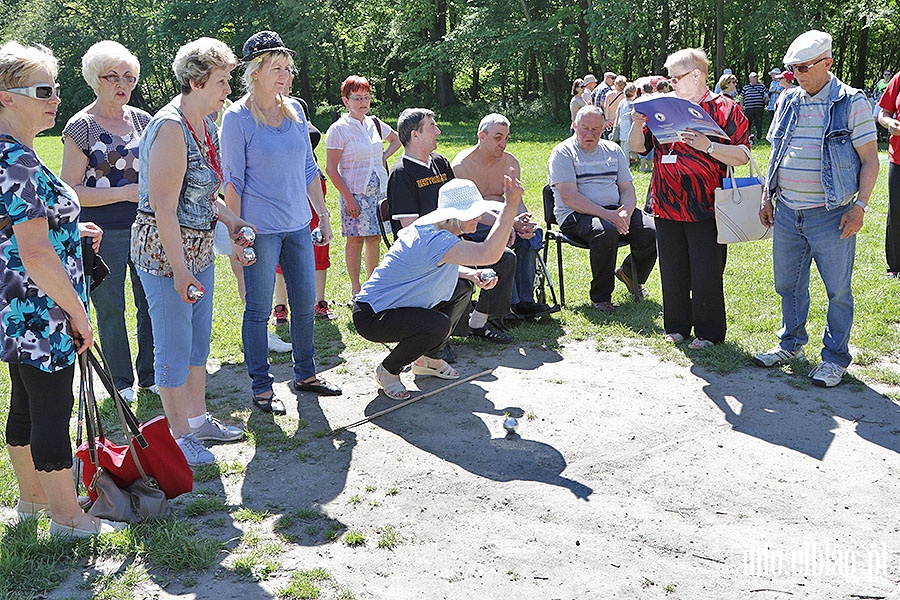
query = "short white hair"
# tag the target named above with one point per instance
(689, 59)
(491, 120)
(103, 56)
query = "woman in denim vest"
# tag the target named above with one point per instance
(172, 240)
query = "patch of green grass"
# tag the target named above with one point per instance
(203, 505)
(218, 469)
(354, 538)
(245, 514)
(388, 538)
(118, 586)
(371, 488)
(304, 585)
(355, 499)
(392, 492)
(258, 564)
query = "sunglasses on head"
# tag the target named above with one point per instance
(40, 91)
(805, 68)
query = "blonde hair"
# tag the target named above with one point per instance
(689, 59)
(18, 63)
(103, 56)
(250, 68)
(196, 60)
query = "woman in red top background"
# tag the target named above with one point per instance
(890, 110)
(682, 189)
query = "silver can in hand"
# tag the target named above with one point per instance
(194, 293)
(317, 236)
(245, 236)
(249, 254)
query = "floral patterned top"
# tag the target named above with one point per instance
(34, 330)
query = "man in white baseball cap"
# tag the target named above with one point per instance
(820, 184)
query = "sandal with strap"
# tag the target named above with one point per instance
(674, 338)
(393, 388)
(699, 343)
(444, 371)
(269, 404)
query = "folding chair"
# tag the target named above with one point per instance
(557, 236)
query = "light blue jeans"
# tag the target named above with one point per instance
(294, 252)
(181, 331)
(802, 236)
(109, 306)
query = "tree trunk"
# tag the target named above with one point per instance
(443, 85)
(858, 80)
(720, 37)
(584, 42)
(475, 90)
(305, 87)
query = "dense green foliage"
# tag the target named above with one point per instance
(516, 56)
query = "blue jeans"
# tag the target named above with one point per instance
(294, 252)
(802, 236)
(109, 306)
(181, 331)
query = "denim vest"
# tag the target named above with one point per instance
(840, 161)
(200, 182)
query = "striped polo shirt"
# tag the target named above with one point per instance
(799, 177)
(754, 96)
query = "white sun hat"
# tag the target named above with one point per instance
(459, 199)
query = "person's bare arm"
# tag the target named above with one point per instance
(852, 221)
(636, 135)
(166, 170)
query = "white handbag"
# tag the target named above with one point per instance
(737, 207)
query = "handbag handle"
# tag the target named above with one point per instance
(130, 424)
(754, 169)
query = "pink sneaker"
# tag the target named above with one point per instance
(323, 312)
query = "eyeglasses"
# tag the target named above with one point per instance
(39, 91)
(361, 98)
(677, 78)
(805, 68)
(116, 78)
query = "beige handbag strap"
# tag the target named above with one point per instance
(754, 169)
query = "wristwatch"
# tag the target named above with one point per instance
(712, 147)
(862, 205)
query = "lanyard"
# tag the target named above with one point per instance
(210, 155)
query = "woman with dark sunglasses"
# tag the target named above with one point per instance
(100, 162)
(43, 297)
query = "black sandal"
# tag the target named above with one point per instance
(269, 405)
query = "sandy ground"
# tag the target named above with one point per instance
(628, 478)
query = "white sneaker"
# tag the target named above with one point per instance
(276, 344)
(195, 452)
(153, 389)
(127, 395)
(215, 430)
(777, 356)
(827, 374)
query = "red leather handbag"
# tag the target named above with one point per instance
(157, 450)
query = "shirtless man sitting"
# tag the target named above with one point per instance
(485, 163)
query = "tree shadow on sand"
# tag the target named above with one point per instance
(448, 427)
(784, 409)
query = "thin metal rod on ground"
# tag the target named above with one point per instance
(415, 399)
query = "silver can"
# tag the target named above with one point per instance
(245, 236)
(510, 424)
(194, 293)
(488, 274)
(317, 236)
(249, 254)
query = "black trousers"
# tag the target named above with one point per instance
(603, 240)
(40, 406)
(755, 116)
(496, 301)
(691, 268)
(417, 331)
(892, 232)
